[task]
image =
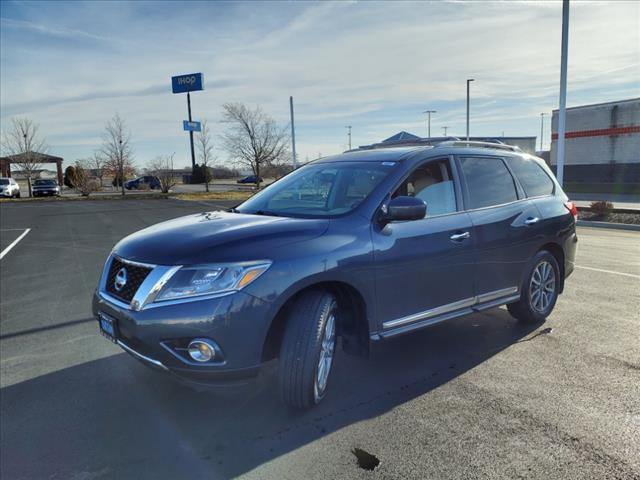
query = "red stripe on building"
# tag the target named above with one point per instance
(602, 132)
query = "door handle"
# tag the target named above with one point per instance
(531, 221)
(458, 237)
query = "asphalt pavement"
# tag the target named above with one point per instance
(477, 397)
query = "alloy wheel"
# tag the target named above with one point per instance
(542, 286)
(325, 360)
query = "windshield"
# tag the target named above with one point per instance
(320, 190)
(44, 182)
(4, 181)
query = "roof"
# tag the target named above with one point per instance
(41, 157)
(616, 102)
(401, 136)
(382, 155)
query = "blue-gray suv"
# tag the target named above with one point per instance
(361, 246)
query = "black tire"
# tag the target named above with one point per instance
(18, 195)
(301, 349)
(533, 307)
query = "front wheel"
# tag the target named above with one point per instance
(539, 290)
(308, 349)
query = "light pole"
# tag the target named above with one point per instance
(429, 112)
(541, 128)
(562, 113)
(445, 130)
(349, 135)
(469, 80)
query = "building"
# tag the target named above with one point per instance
(32, 159)
(526, 144)
(602, 143)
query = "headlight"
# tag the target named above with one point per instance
(200, 280)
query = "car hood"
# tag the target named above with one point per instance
(211, 237)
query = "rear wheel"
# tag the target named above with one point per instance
(308, 349)
(539, 290)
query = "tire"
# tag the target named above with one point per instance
(18, 195)
(536, 303)
(309, 338)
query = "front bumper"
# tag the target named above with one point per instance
(38, 193)
(237, 323)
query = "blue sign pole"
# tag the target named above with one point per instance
(190, 82)
(193, 152)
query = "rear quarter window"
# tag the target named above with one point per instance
(489, 182)
(532, 176)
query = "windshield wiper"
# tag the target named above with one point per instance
(268, 213)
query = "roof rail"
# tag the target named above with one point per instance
(472, 144)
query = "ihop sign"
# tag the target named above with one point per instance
(187, 83)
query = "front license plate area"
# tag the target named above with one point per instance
(108, 327)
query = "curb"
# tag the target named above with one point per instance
(614, 210)
(614, 226)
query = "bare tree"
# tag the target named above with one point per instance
(83, 181)
(205, 152)
(162, 167)
(116, 149)
(98, 164)
(23, 142)
(253, 138)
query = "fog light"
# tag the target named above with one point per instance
(200, 350)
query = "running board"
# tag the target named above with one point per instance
(418, 325)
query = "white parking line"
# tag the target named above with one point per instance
(14, 243)
(609, 271)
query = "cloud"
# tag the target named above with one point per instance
(373, 65)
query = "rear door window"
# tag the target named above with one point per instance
(532, 176)
(489, 181)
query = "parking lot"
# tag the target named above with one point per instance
(477, 397)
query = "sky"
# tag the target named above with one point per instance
(70, 66)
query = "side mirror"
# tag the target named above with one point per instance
(404, 209)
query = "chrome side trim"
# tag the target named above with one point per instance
(140, 356)
(487, 297)
(502, 296)
(467, 302)
(496, 303)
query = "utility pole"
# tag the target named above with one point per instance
(469, 80)
(445, 130)
(349, 135)
(429, 112)
(293, 135)
(562, 114)
(541, 128)
(121, 165)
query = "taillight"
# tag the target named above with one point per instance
(571, 206)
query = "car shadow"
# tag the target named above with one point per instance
(113, 417)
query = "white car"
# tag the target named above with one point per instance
(9, 188)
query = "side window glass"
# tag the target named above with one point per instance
(431, 182)
(532, 176)
(488, 181)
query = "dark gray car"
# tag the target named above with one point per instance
(361, 246)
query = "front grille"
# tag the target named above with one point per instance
(135, 276)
